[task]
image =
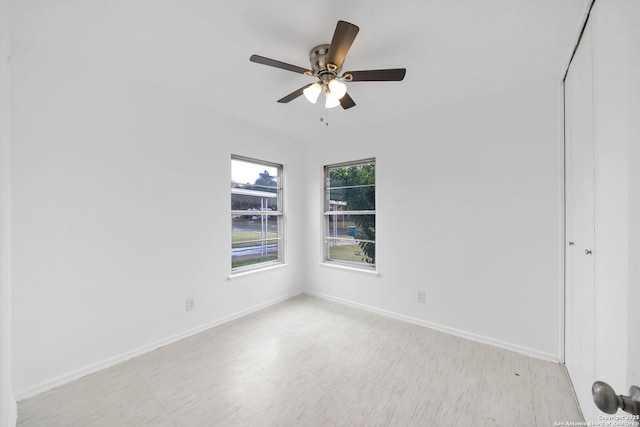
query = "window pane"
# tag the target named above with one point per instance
(254, 176)
(253, 200)
(352, 199)
(254, 186)
(354, 227)
(340, 250)
(243, 254)
(361, 174)
(247, 228)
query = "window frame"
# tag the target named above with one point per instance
(264, 215)
(328, 213)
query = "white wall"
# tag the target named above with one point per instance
(468, 210)
(121, 212)
(7, 400)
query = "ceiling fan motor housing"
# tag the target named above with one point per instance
(318, 59)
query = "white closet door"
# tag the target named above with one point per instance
(580, 233)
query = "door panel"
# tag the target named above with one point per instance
(579, 230)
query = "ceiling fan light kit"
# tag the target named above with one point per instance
(326, 64)
(331, 102)
(312, 92)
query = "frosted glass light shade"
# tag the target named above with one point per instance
(331, 101)
(337, 89)
(312, 92)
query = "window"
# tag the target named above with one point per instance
(350, 214)
(256, 213)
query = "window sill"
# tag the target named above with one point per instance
(241, 274)
(368, 272)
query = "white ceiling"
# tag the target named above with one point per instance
(199, 49)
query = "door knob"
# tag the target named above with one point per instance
(587, 252)
(607, 401)
(571, 243)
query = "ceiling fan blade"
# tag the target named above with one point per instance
(389, 75)
(347, 102)
(293, 95)
(343, 37)
(279, 64)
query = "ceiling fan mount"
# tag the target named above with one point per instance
(326, 64)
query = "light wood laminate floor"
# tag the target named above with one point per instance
(311, 362)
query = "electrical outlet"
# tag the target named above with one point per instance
(421, 296)
(191, 304)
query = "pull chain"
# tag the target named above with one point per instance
(325, 119)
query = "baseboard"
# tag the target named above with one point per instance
(112, 361)
(446, 329)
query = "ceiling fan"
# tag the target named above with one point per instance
(326, 65)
